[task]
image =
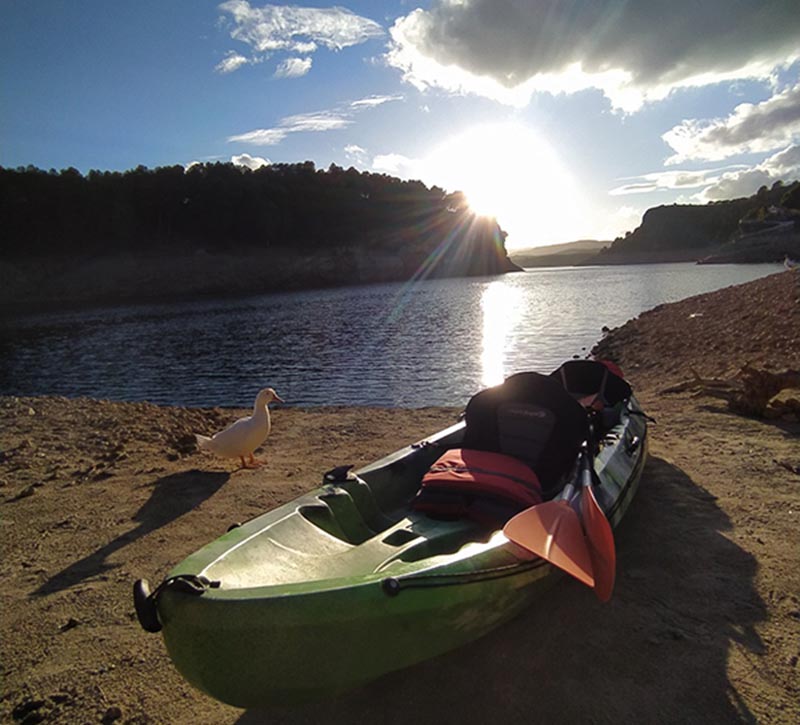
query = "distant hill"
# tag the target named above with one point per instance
(730, 231)
(557, 255)
(217, 228)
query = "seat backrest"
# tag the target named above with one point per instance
(531, 417)
(582, 378)
(523, 430)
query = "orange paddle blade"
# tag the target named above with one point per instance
(600, 540)
(552, 530)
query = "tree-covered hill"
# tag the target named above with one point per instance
(693, 231)
(305, 226)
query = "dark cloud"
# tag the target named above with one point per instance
(779, 114)
(642, 45)
(782, 166)
(752, 127)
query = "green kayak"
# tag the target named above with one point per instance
(404, 559)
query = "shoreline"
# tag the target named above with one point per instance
(703, 623)
(73, 285)
(54, 282)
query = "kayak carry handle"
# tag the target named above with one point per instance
(146, 603)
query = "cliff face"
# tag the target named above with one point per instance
(686, 227)
(691, 232)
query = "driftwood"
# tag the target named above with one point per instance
(750, 392)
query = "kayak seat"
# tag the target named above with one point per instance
(598, 387)
(584, 378)
(532, 418)
(520, 439)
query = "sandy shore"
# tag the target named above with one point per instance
(704, 625)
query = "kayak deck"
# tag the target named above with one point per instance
(297, 549)
(362, 527)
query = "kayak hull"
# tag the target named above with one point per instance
(307, 647)
(348, 582)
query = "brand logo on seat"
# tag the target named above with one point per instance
(527, 411)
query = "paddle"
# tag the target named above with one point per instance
(552, 531)
(599, 536)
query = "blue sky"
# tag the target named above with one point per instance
(567, 119)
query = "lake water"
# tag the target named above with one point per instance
(430, 342)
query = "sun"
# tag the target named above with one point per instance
(508, 171)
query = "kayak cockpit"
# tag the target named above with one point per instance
(300, 548)
(402, 512)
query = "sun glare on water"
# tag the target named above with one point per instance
(509, 172)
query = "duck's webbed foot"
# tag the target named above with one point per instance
(252, 462)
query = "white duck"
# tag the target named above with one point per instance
(243, 436)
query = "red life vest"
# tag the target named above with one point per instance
(482, 485)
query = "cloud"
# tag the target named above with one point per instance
(251, 162)
(671, 180)
(785, 163)
(314, 122)
(319, 121)
(782, 166)
(231, 62)
(394, 164)
(729, 182)
(303, 122)
(293, 68)
(298, 29)
(355, 153)
(632, 51)
(262, 136)
(371, 101)
(751, 128)
(627, 218)
(612, 224)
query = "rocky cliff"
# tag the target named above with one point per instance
(720, 231)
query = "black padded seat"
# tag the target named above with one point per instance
(532, 418)
(583, 378)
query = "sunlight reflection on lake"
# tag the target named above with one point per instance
(431, 342)
(500, 304)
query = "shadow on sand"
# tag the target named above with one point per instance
(172, 497)
(657, 653)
